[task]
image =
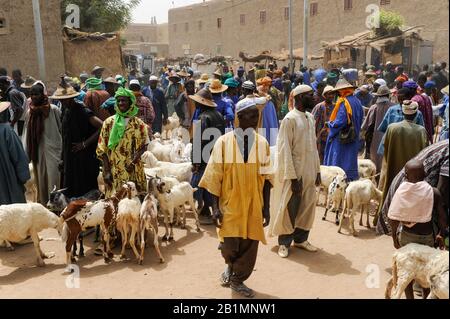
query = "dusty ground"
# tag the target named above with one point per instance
(339, 270)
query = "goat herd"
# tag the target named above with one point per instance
(168, 169)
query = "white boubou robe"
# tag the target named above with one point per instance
(297, 158)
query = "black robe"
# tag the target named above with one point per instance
(80, 169)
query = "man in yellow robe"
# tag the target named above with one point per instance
(237, 176)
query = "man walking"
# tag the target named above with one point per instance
(237, 177)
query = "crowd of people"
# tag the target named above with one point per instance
(299, 120)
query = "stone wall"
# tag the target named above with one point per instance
(18, 42)
(194, 29)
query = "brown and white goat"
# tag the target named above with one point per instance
(82, 214)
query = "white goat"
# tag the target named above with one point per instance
(160, 151)
(127, 219)
(182, 171)
(30, 187)
(187, 155)
(358, 195)
(19, 221)
(367, 169)
(149, 222)
(327, 175)
(177, 152)
(336, 195)
(177, 197)
(425, 265)
(173, 122)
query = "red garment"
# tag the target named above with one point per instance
(427, 110)
(146, 110)
(93, 100)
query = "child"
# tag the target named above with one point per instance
(411, 212)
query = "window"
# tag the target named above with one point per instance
(242, 19)
(262, 17)
(174, 28)
(385, 2)
(219, 23)
(186, 27)
(200, 25)
(314, 9)
(286, 13)
(348, 5)
(2, 23)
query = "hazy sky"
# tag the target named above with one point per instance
(158, 8)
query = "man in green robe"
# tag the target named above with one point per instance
(403, 142)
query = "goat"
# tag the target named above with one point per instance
(336, 194)
(82, 214)
(18, 221)
(173, 122)
(181, 171)
(177, 197)
(128, 219)
(149, 222)
(367, 169)
(327, 175)
(359, 195)
(58, 201)
(425, 265)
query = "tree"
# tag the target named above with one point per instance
(101, 15)
(390, 23)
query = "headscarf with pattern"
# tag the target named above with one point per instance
(118, 129)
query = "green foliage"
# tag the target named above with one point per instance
(101, 15)
(390, 22)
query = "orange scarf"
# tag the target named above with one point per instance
(343, 94)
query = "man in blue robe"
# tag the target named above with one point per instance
(14, 171)
(338, 154)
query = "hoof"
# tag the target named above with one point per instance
(165, 238)
(10, 248)
(323, 218)
(355, 234)
(107, 260)
(110, 255)
(140, 262)
(40, 263)
(337, 223)
(123, 257)
(49, 255)
(199, 230)
(171, 239)
(368, 227)
(162, 261)
(361, 224)
(73, 259)
(339, 232)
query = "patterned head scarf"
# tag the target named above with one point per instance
(94, 84)
(118, 129)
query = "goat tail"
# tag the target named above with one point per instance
(65, 233)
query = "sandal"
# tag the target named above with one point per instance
(243, 290)
(225, 278)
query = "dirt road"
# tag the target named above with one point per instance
(345, 267)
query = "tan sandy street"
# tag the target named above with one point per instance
(193, 264)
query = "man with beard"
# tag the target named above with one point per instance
(297, 175)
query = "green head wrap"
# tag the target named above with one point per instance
(94, 84)
(118, 129)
